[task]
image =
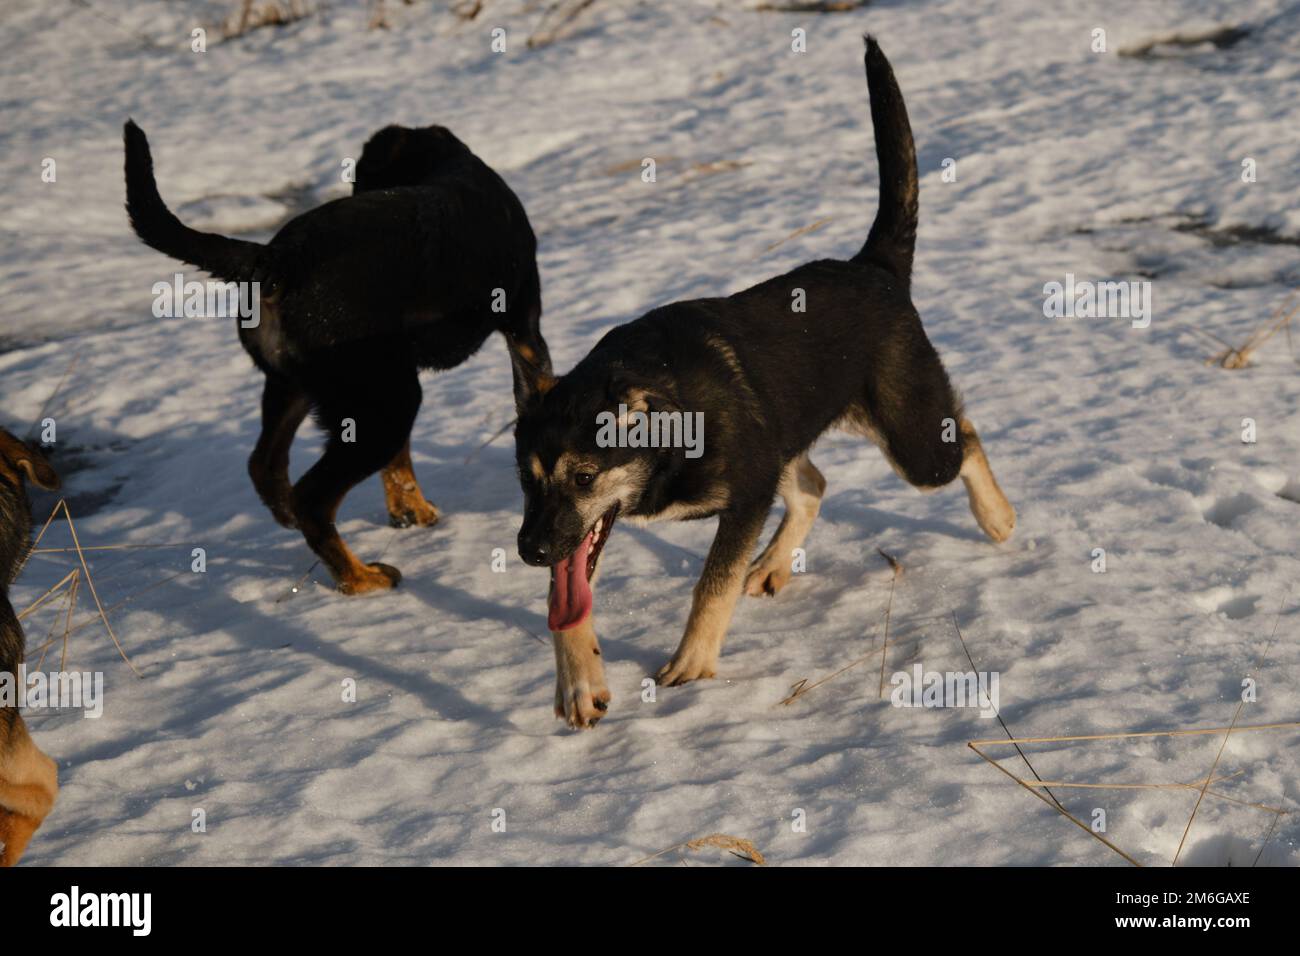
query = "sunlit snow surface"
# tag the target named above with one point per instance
(1104, 436)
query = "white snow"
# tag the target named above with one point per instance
(1104, 436)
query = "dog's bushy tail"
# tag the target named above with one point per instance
(230, 259)
(893, 235)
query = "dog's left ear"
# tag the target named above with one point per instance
(378, 167)
(532, 375)
(19, 455)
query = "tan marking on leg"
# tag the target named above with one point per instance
(993, 513)
(696, 656)
(406, 503)
(581, 697)
(28, 787)
(801, 488)
(350, 574)
(535, 466)
(712, 605)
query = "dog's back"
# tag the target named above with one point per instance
(409, 262)
(829, 340)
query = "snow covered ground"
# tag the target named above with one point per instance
(1102, 434)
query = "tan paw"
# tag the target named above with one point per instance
(370, 577)
(413, 513)
(581, 702)
(766, 578)
(687, 667)
(997, 518)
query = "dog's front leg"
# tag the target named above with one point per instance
(715, 596)
(581, 697)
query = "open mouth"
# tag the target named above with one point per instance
(570, 602)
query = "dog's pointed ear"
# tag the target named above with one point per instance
(638, 396)
(380, 163)
(532, 374)
(18, 455)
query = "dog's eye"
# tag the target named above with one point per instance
(583, 478)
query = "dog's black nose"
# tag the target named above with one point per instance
(536, 553)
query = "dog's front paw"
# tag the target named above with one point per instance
(581, 702)
(370, 577)
(767, 576)
(414, 514)
(687, 666)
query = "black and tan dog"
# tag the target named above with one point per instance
(429, 256)
(28, 778)
(768, 380)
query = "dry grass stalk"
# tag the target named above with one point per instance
(1240, 357)
(113, 607)
(700, 170)
(884, 651)
(737, 846)
(801, 687)
(1033, 786)
(1235, 717)
(629, 165)
(805, 230)
(271, 13)
(557, 21)
(1220, 36)
(67, 372)
(813, 6)
(62, 504)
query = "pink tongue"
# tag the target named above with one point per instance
(570, 593)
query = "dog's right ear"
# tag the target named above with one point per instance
(17, 456)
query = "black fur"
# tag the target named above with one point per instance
(359, 295)
(768, 380)
(859, 350)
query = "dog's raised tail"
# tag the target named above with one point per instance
(893, 235)
(233, 260)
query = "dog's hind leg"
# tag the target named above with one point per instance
(716, 594)
(407, 505)
(929, 447)
(801, 488)
(284, 406)
(993, 513)
(368, 418)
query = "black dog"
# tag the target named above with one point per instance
(768, 380)
(28, 778)
(431, 254)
